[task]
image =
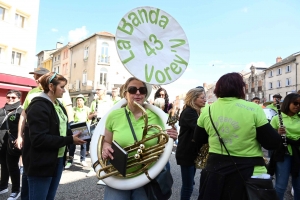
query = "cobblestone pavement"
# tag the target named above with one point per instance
(75, 185)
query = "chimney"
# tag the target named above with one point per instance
(278, 59)
(59, 45)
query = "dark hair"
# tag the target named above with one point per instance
(157, 95)
(230, 85)
(290, 98)
(51, 77)
(16, 92)
(255, 98)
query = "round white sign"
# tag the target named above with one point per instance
(152, 45)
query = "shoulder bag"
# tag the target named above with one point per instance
(257, 189)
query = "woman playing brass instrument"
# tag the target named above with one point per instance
(187, 151)
(117, 128)
(244, 128)
(287, 164)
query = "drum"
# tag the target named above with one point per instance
(270, 113)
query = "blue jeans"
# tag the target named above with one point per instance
(72, 149)
(282, 177)
(44, 188)
(25, 188)
(114, 194)
(187, 177)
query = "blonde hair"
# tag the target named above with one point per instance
(159, 102)
(191, 96)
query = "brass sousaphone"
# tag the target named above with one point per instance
(153, 48)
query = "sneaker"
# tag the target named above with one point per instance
(91, 173)
(14, 196)
(3, 191)
(292, 192)
(100, 182)
(68, 165)
(84, 163)
(21, 170)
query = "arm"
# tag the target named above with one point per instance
(268, 137)
(200, 136)
(21, 125)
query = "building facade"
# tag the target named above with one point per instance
(18, 33)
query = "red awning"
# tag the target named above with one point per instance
(14, 87)
(17, 80)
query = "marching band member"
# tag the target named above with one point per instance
(162, 93)
(273, 105)
(117, 128)
(187, 151)
(244, 129)
(288, 164)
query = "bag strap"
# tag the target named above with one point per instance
(5, 118)
(131, 127)
(222, 142)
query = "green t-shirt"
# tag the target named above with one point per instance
(103, 106)
(117, 124)
(292, 126)
(236, 121)
(81, 114)
(272, 107)
(62, 127)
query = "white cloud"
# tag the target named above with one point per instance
(245, 10)
(54, 30)
(77, 34)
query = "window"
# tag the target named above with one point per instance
(271, 73)
(38, 62)
(58, 57)
(288, 68)
(86, 53)
(103, 76)
(104, 53)
(84, 78)
(270, 85)
(56, 69)
(270, 97)
(42, 58)
(288, 82)
(74, 65)
(54, 58)
(19, 21)
(16, 58)
(278, 84)
(2, 13)
(279, 71)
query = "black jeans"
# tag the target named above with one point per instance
(4, 169)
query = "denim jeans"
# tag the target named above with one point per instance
(72, 149)
(114, 194)
(25, 188)
(187, 177)
(45, 187)
(282, 177)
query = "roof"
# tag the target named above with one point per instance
(45, 51)
(102, 33)
(288, 59)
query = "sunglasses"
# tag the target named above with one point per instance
(133, 90)
(296, 103)
(8, 97)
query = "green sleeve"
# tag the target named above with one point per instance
(93, 105)
(200, 121)
(261, 118)
(109, 121)
(274, 122)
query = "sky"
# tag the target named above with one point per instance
(223, 36)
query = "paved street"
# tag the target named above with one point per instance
(75, 185)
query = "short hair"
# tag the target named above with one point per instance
(191, 96)
(159, 102)
(16, 92)
(285, 106)
(277, 96)
(255, 98)
(230, 85)
(51, 77)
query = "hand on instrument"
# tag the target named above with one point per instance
(77, 140)
(107, 151)
(172, 132)
(281, 130)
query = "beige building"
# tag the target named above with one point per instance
(94, 61)
(282, 77)
(18, 33)
(45, 57)
(210, 96)
(254, 81)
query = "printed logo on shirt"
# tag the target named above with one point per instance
(227, 129)
(244, 107)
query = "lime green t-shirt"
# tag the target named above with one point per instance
(272, 107)
(62, 126)
(292, 126)
(236, 121)
(117, 124)
(81, 114)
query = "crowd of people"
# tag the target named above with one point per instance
(36, 136)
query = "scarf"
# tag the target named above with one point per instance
(11, 107)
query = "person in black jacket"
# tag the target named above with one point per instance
(9, 159)
(49, 134)
(187, 150)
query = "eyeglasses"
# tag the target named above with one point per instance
(8, 97)
(133, 90)
(296, 103)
